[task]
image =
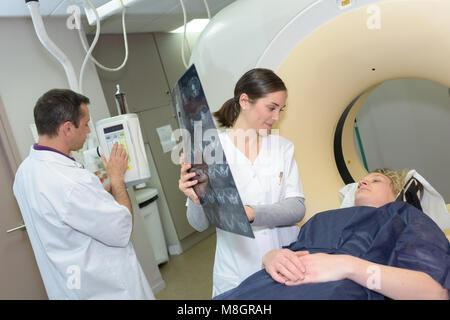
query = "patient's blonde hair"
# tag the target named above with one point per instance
(397, 178)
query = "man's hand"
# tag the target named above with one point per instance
(117, 164)
(108, 188)
(116, 168)
(102, 177)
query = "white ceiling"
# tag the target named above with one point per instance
(143, 16)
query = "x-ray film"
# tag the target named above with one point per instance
(216, 188)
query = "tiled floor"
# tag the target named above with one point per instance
(189, 276)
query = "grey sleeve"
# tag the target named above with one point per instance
(284, 213)
(196, 216)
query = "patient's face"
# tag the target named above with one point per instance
(374, 190)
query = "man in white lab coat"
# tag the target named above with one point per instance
(80, 233)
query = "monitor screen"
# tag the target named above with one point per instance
(113, 129)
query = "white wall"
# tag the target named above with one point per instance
(27, 70)
(405, 123)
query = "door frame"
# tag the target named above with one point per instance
(8, 141)
(12, 158)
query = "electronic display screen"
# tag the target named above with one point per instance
(113, 129)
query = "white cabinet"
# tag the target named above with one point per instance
(146, 199)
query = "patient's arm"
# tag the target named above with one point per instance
(284, 265)
(395, 283)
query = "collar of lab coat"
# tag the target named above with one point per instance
(47, 155)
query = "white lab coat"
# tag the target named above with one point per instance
(80, 235)
(259, 183)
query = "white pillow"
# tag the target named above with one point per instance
(347, 194)
(432, 202)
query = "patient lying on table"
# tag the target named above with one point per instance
(378, 248)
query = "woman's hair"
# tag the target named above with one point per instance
(256, 83)
(397, 177)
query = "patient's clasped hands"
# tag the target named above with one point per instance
(296, 268)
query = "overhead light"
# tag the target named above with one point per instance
(195, 25)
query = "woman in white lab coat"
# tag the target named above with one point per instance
(265, 173)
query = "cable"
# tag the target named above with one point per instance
(125, 40)
(207, 9)
(185, 23)
(184, 34)
(91, 48)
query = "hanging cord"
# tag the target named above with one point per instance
(184, 31)
(207, 9)
(125, 40)
(184, 34)
(94, 42)
(91, 48)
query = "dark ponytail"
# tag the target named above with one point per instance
(256, 83)
(228, 113)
